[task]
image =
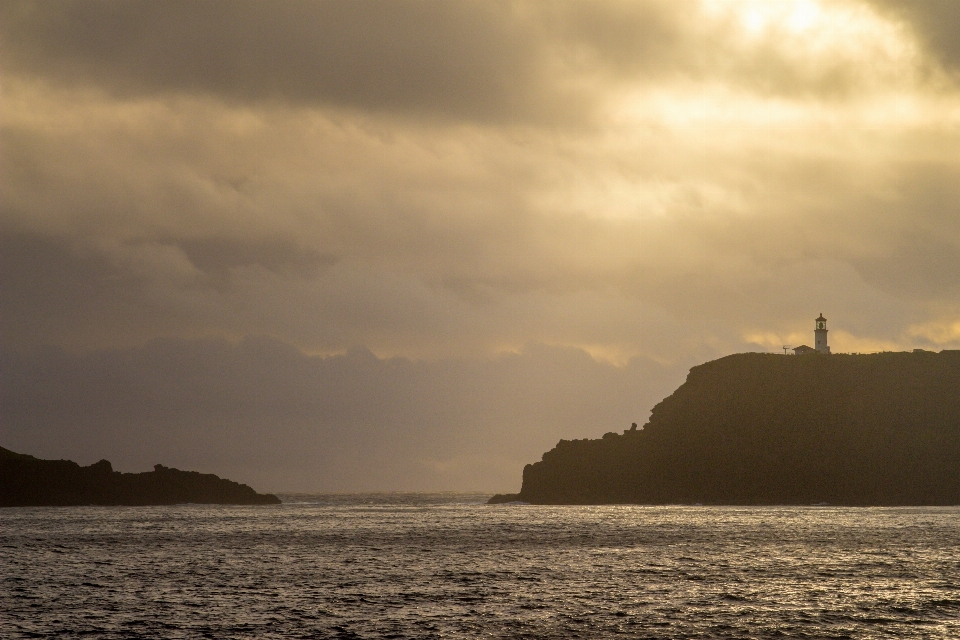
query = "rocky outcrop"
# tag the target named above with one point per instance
(28, 481)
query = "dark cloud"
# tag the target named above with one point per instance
(916, 229)
(636, 37)
(261, 411)
(491, 62)
(475, 59)
(216, 257)
(52, 285)
(47, 289)
(936, 22)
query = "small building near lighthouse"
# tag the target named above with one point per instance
(819, 339)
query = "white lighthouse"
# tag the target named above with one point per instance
(820, 336)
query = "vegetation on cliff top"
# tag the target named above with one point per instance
(28, 481)
(878, 429)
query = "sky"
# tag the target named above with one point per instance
(362, 246)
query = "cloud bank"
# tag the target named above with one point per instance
(657, 182)
(262, 412)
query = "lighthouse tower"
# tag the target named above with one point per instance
(820, 336)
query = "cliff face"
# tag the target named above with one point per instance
(28, 481)
(879, 429)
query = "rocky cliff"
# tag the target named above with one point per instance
(878, 429)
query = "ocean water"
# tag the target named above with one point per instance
(448, 566)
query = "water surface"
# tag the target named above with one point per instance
(446, 565)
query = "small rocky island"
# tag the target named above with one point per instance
(755, 429)
(26, 481)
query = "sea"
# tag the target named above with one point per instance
(450, 566)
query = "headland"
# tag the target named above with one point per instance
(759, 429)
(26, 481)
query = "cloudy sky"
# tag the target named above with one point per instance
(356, 245)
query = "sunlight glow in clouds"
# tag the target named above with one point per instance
(646, 182)
(822, 23)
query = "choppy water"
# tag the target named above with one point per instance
(431, 566)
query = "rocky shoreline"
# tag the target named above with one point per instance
(26, 481)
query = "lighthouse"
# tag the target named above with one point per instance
(820, 335)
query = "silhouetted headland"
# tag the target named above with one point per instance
(877, 429)
(26, 481)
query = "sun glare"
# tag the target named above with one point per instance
(803, 27)
(756, 16)
(803, 16)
